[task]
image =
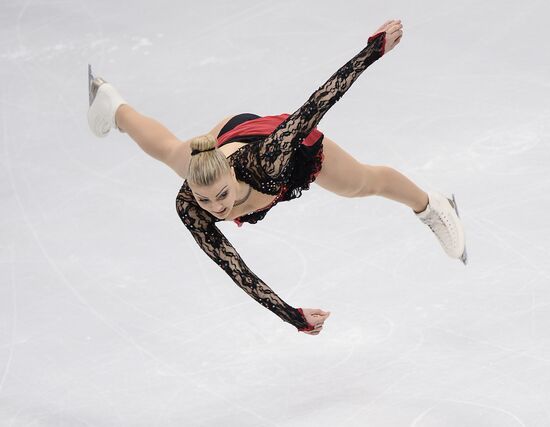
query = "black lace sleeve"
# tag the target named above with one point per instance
(275, 152)
(202, 226)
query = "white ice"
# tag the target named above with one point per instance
(111, 315)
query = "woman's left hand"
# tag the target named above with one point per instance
(394, 32)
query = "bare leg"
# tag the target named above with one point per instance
(155, 139)
(396, 186)
(345, 176)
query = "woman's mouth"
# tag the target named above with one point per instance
(219, 213)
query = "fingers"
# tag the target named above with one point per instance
(316, 330)
(397, 26)
(396, 37)
(393, 35)
(316, 317)
(383, 26)
(318, 327)
(320, 313)
(322, 317)
(388, 24)
(394, 31)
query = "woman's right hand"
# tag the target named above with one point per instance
(315, 317)
(394, 32)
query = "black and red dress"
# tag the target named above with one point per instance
(283, 155)
(253, 129)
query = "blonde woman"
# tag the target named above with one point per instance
(247, 164)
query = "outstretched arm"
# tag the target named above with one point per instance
(276, 151)
(201, 225)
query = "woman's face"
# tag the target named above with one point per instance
(218, 198)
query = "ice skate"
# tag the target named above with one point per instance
(104, 102)
(441, 215)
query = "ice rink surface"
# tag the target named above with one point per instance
(111, 315)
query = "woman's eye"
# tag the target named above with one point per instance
(221, 197)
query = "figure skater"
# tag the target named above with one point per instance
(247, 164)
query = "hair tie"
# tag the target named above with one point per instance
(201, 151)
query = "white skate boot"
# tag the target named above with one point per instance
(441, 216)
(104, 101)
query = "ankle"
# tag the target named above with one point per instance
(422, 207)
(120, 114)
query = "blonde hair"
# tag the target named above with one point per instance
(206, 167)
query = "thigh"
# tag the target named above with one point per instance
(341, 173)
(216, 129)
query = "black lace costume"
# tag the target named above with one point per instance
(267, 165)
(252, 129)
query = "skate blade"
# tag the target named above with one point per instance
(93, 84)
(90, 80)
(464, 256)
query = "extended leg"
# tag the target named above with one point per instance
(109, 110)
(155, 139)
(393, 185)
(344, 175)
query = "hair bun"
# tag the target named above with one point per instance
(201, 151)
(205, 170)
(203, 143)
